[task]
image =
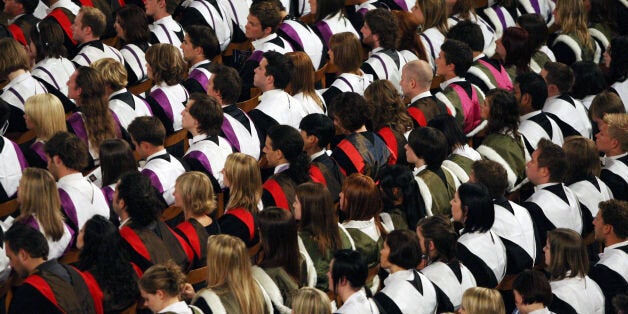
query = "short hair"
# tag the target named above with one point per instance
(204, 37)
(420, 71)
(560, 75)
(383, 24)
(459, 54)
(166, 63)
(568, 253)
(319, 125)
(588, 79)
(447, 124)
(24, 237)
(618, 128)
(439, 230)
(477, 203)
(46, 113)
(48, 38)
(619, 61)
(69, 148)
(536, 27)
(362, 200)
(615, 213)
(584, 159)
(503, 113)
(351, 110)
(267, 13)
(140, 198)
(116, 159)
(534, 85)
(207, 111)
(134, 21)
(405, 250)
(290, 142)
(429, 144)
(351, 266)
(147, 129)
(112, 72)
(95, 19)
(605, 102)
(29, 5)
(311, 300)
(533, 287)
(552, 157)
(278, 66)
(469, 33)
(14, 57)
(196, 192)
(227, 82)
(493, 175)
(166, 277)
(347, 50)
(483, 300)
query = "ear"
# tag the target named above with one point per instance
(160, 294)
(270, 80)
(431, 247)
(57, 160)
(22, 255)
(526, 99)
(199, 50)
(267, 31)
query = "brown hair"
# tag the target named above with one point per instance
(112, 72)
(347, 50)
(14, 57)
(584, 160)
(318, 216)
(435, 13)
(568, 254)
(303, 77)
(166, 277)
(387, 107)
(361, 197)
(166, 63)
(94, 18)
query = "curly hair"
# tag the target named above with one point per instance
(387, 107)
(504, 112)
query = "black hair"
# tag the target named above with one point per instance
(147, 129)
(504, 112)
(23, 237)
(349, 265)
(227, 82)
(536, 27)
(533, 287)
(319, 125)
(351, 110)
(204, 36)
(589, 79)
(447, 124)
(459, 54)
(619, 59)
(468, 33)
(476, 202)
(279, 66)
(534, 85)
(138, 194)
(405, 250)
(328, 7)
(429, 144)
(207, 111)
(289, 141)
(399, 176)
(116, 158)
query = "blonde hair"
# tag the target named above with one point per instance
(236, 278)
(166, 63)
(166, 277)
(478, 300)
(112, 72)
(618, 128)
(197, 193)
(311, 301)
(245, 182)
(38, 197)
(46, 113)
(573, 20)
(347, 50)
(435, 13)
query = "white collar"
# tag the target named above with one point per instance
(358, 224)
(120, 91)
(398, 276)
(11, 21)
(72, 177)
(179, 307)
(257, 44)
(161, 152)
(480, 56)
(446, 83)
(271, 93)
(164, 19)
(124, 222)
(281, 168)
(317, 154)
(424, 94)
(199, 137)
(616, 156)
(197, 64)
(544, 185)
(18, 79)
(616, 245)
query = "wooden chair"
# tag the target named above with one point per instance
(250, 104)
(113, 42)
(319, 75)
(9, 207)
(220, 205)
(217, 59)
(436, 81)
(21, 138)
(506, 283)
(71, 257)
(171, 213)
(141, 88)
(237, 46)
(130, 310)
(176, 138)
(197, 276)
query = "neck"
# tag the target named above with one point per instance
(419, 163)
(613, 239)
(525, 109)
(346, 292)
(204, 220)
(196, 60)
(267, 88)
(449, 76)
(476, 53)
(160, 15)
(361, 129)
(89, 38)
(152, 150)
(312, 150)
(614, 152)
(553, 92)
(533, 307)
(64, 172)
(394, 268)
(170, 301)
(123, 215)
(194, 131)
(15, 74)
(34, 263)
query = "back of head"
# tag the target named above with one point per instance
(447, 124)
(278, 232)
(166, 277)
(517, 46)
(227, 250)
(140, 199)
(39, 197)
(605, 102)
(288, 140)
(197, 193)
(29, 5)
(503, 113)
(397, 183)
(615, 213)
(92, 89)
(94, 18)
(619, 61)
(14, 57)
(147, 129)
(328, 7)
(166, 63)
(536, 27)
(69, 148)
(405, 250)
(204, 37)
(493, 175)
(435, 13)
(279, 67)
(439, 230)
(534, 85)
(116, 158)
(384, 99)
(383, 24)
(421, 72)
(227, 82)
(459, 54)
(302, 74)
(618, 128)
(207, 112)
(134, 21)
(245, 182)
(560, 75)
(477, 203)
(468, 33)
(533, 287)
(584, 159)
(429, 144)
(23, 237)
(349, 265)
(478, 300)
(46, 115)
(318, 215)
(362, 200)
(319, 125)
(351, 110)
(552, 156)
(48, 37)
(569, 256)
(588, 79)
(311, 300)
(112, 72)
(267, 13)
(347, 51)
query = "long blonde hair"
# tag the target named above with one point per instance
(573, 20)
(38, 197)
(245, 182)
(46, 113)
(435, 13)
(236, 278)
